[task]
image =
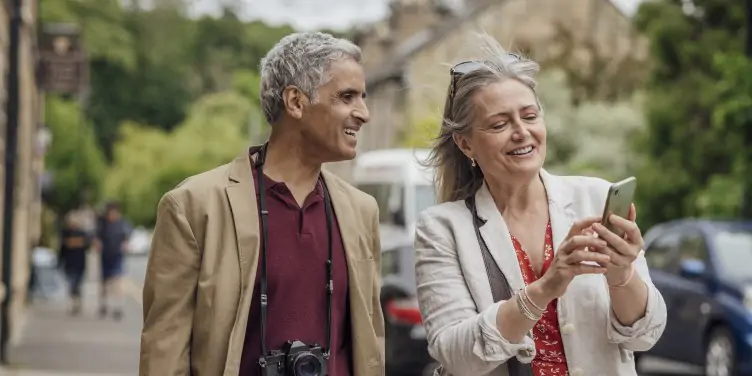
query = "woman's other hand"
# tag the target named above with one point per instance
(568, 261)
(623, 250)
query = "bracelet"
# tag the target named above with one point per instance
(629, 279)
(524, 289)
(522, 305)
(525, 311)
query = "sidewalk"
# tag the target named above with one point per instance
(54, 343)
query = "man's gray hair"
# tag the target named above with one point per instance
(302, 60)
(455, 177)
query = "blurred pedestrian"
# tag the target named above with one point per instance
(74, 245)
(113, 232)
(270, 248)
(506, 285)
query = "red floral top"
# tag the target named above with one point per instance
(549, 359)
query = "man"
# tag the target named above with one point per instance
(204, 283)
(113, 232)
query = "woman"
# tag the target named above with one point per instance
(576, 303)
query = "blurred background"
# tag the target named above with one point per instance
(117, 100)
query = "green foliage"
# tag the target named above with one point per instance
(149, 162)
(591, 138)
(148, 66)
(699, 111)
(75, 161)
(103, 25)
(169, 97)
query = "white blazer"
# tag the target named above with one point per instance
(458, 310)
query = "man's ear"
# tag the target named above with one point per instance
(463, 144)
(294, 101)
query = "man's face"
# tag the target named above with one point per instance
(330, 125)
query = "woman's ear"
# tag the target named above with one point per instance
(463, 144)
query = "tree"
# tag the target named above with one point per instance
(147, 65)
(592, 138)
(696, 158)
(149, 162)
(74, 159)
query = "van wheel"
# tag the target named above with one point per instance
(720, 357)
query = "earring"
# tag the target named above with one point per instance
(472, 162)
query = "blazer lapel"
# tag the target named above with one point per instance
(241, 194)
(359, 314)
(349, 230)
(496, 235)
(559, 207)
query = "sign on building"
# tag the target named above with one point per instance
(63, 65)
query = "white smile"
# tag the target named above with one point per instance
(522, 151)
(351, 132)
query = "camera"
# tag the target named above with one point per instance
(295, 359)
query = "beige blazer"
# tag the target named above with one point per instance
(202, 268)
(458, 309)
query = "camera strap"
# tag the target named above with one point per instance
(263, 212)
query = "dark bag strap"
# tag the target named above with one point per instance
(500, 289)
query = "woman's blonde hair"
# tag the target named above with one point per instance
(455, 176)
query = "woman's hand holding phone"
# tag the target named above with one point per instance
(622, 250)
(569, 259)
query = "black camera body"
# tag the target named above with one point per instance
(295, 359)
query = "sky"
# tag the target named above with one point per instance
(317, 14)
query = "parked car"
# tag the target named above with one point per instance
(406, 346)
(703, 269)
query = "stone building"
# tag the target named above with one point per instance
(407, 55)
(29, 162)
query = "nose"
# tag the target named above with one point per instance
(361, 112)
(521, 132)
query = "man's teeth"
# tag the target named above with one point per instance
(350, 132)
(521, 151)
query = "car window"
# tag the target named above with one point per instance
(733, 252)
(661, 254)
(692, 246)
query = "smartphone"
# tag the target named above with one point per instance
(619, 199)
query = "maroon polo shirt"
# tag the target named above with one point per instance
(297, 250)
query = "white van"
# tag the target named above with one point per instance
(401, 185)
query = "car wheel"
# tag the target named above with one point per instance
(720, 357)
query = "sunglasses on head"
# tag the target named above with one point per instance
(464, 68)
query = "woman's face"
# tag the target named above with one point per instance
(508, 135)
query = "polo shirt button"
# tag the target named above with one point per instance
(567, 329)
(578, 372)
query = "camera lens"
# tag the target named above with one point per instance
(307, 364)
